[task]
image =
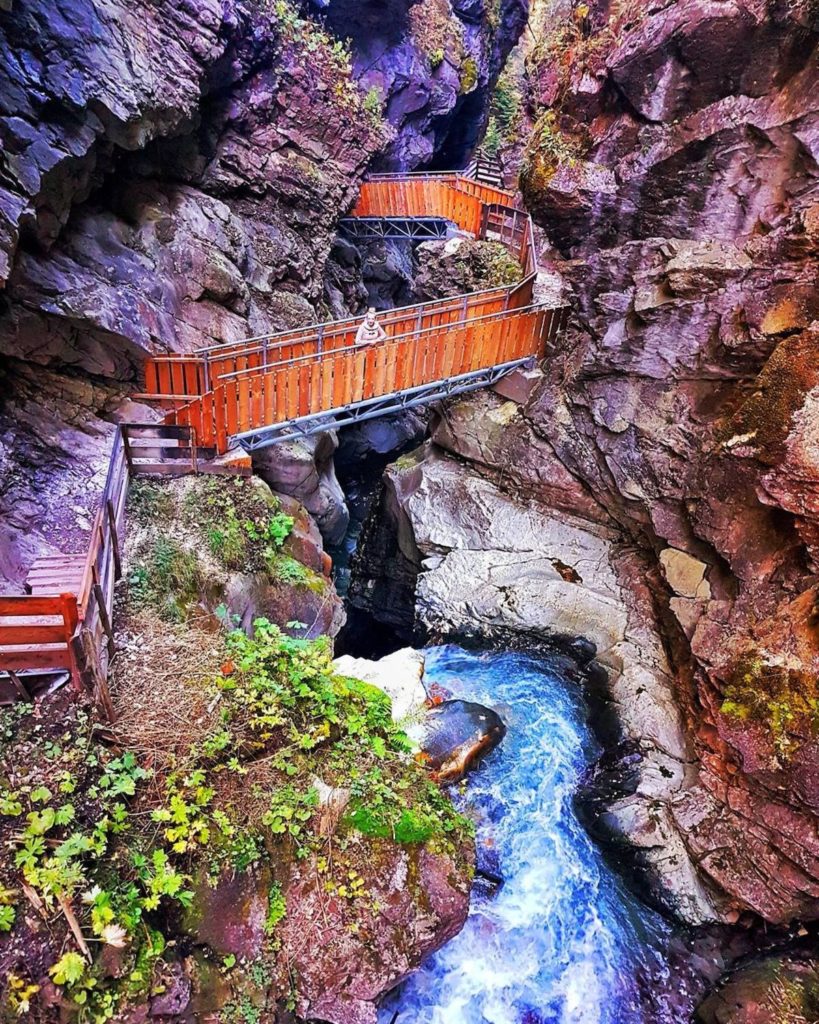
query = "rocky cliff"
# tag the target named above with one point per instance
(674, 167)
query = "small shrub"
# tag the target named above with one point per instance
(783, 700)
(149, 502)
(288, 570)
(373, 101)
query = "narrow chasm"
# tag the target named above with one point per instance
(409, 512)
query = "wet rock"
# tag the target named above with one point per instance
(422, 899)
(380, 437)
(679, 410)
(778, 988)
(175, 996)
(457, 733)
(229, 914)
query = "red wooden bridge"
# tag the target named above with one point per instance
(265, 389)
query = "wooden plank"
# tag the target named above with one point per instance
(341, 370)
(34, 635)
(220, 434)
(161, 469)
(104, 619)
(304, 397)
(17, 659)
(257, 400)
(292, 392)
(25, 605)
(243, 385)
(155, 430)
(231, 407)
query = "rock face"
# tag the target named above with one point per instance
(676, 164)
(771, 990)
(305, 471)
(423, 896)
(432, 64)
(422, 901)
(139, 213)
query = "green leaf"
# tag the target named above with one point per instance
(68, 970)
(39, 822)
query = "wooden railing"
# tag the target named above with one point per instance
(37, 632)
(74, 631)
(303, 386)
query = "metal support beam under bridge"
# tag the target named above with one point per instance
(415, 229)
(371, 408)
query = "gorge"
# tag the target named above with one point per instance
(614, 548)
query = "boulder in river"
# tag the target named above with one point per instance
(457, 733)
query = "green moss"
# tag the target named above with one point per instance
(150, 502)
(469, 75)
(167, 578)
(765, 691)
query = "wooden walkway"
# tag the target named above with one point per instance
(64, 621)
(268, 388)
(261, 390)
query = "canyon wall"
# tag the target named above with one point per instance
(675, 167)
(660, 476)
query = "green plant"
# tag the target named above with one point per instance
(764, 690)
(149, 502)
(491, 145)
(288, 570)
(373, 101)
(276, 908)
(469, 75)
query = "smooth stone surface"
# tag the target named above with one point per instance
(457, 733)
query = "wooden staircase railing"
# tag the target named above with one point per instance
(73, 631)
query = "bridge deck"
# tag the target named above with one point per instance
(282, 380)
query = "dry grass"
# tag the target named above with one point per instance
(158, 686)
(165, 707)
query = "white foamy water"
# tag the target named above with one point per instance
(562, 942)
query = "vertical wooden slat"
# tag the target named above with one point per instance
(231, 407)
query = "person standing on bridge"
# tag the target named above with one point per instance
(370, 330)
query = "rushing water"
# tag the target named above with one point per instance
(562, 942)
